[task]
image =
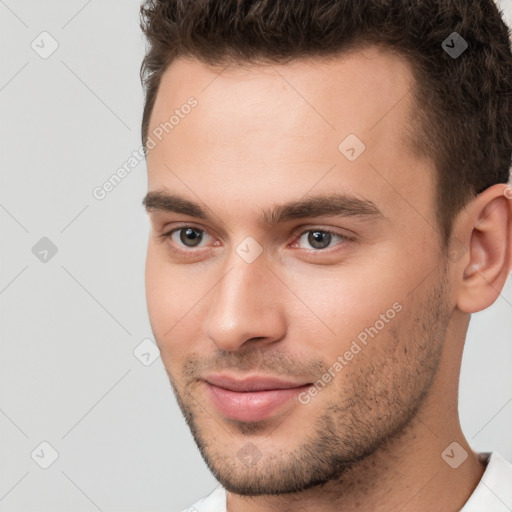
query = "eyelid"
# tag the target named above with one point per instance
(299, 231)
(176, 227)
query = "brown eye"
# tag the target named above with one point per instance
(190, 237)
(319, 239)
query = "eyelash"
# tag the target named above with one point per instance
(344, 238)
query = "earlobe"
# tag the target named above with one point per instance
(486, 225)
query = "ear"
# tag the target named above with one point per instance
(481, 248)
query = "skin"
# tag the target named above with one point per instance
(264, 135)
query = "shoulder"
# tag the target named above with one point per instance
(214, 502)
(494, 491)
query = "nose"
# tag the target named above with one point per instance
(245, 307)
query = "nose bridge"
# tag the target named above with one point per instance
(244, 305)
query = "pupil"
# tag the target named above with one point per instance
(190, 237)
(319, 239)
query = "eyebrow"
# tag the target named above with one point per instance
(333, 204)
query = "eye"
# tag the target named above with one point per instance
(187, 236)
(319, 239)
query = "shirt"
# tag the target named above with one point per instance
(492, 494)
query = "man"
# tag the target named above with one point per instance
(329, 205)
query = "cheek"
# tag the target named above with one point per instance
(166, 296)
(346, 301)
(158, 296)
(173, 296)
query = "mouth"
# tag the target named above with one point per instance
(251, 399)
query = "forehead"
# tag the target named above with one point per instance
(279, 130)
(366, 84)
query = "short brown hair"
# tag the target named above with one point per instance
(464, 104)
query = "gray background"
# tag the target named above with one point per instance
(69, 326)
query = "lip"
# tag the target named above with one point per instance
(253, 398)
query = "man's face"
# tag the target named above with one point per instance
(344, 300)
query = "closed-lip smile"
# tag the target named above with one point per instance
(251, 398)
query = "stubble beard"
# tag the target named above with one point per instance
(373, 409)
